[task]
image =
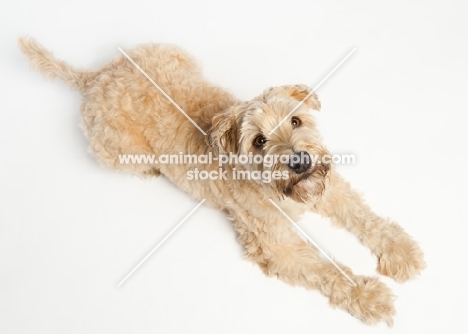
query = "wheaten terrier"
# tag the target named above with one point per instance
(123, 113)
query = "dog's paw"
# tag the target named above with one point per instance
(402, 259)
(370, 301)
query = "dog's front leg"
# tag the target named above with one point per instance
(280, 252)
(399, 255)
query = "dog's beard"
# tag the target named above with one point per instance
(305, 187)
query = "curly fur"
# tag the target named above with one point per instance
(123, 113)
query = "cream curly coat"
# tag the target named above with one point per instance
(123, 113)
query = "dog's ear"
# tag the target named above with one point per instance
(295, 92)
(223, 134)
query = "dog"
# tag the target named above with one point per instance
(124, 114)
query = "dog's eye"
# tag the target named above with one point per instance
(296, 122)
(259, 141)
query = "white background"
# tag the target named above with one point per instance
(70, 230)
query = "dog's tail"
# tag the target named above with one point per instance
(42, 60)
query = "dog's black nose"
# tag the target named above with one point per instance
(299, 162)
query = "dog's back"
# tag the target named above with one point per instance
(124, 112)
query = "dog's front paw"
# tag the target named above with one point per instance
(370, 301)
(401, 259)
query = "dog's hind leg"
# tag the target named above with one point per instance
(399, 255)
(152, 172)
(280, 252)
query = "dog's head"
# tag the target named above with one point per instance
(279, 128)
